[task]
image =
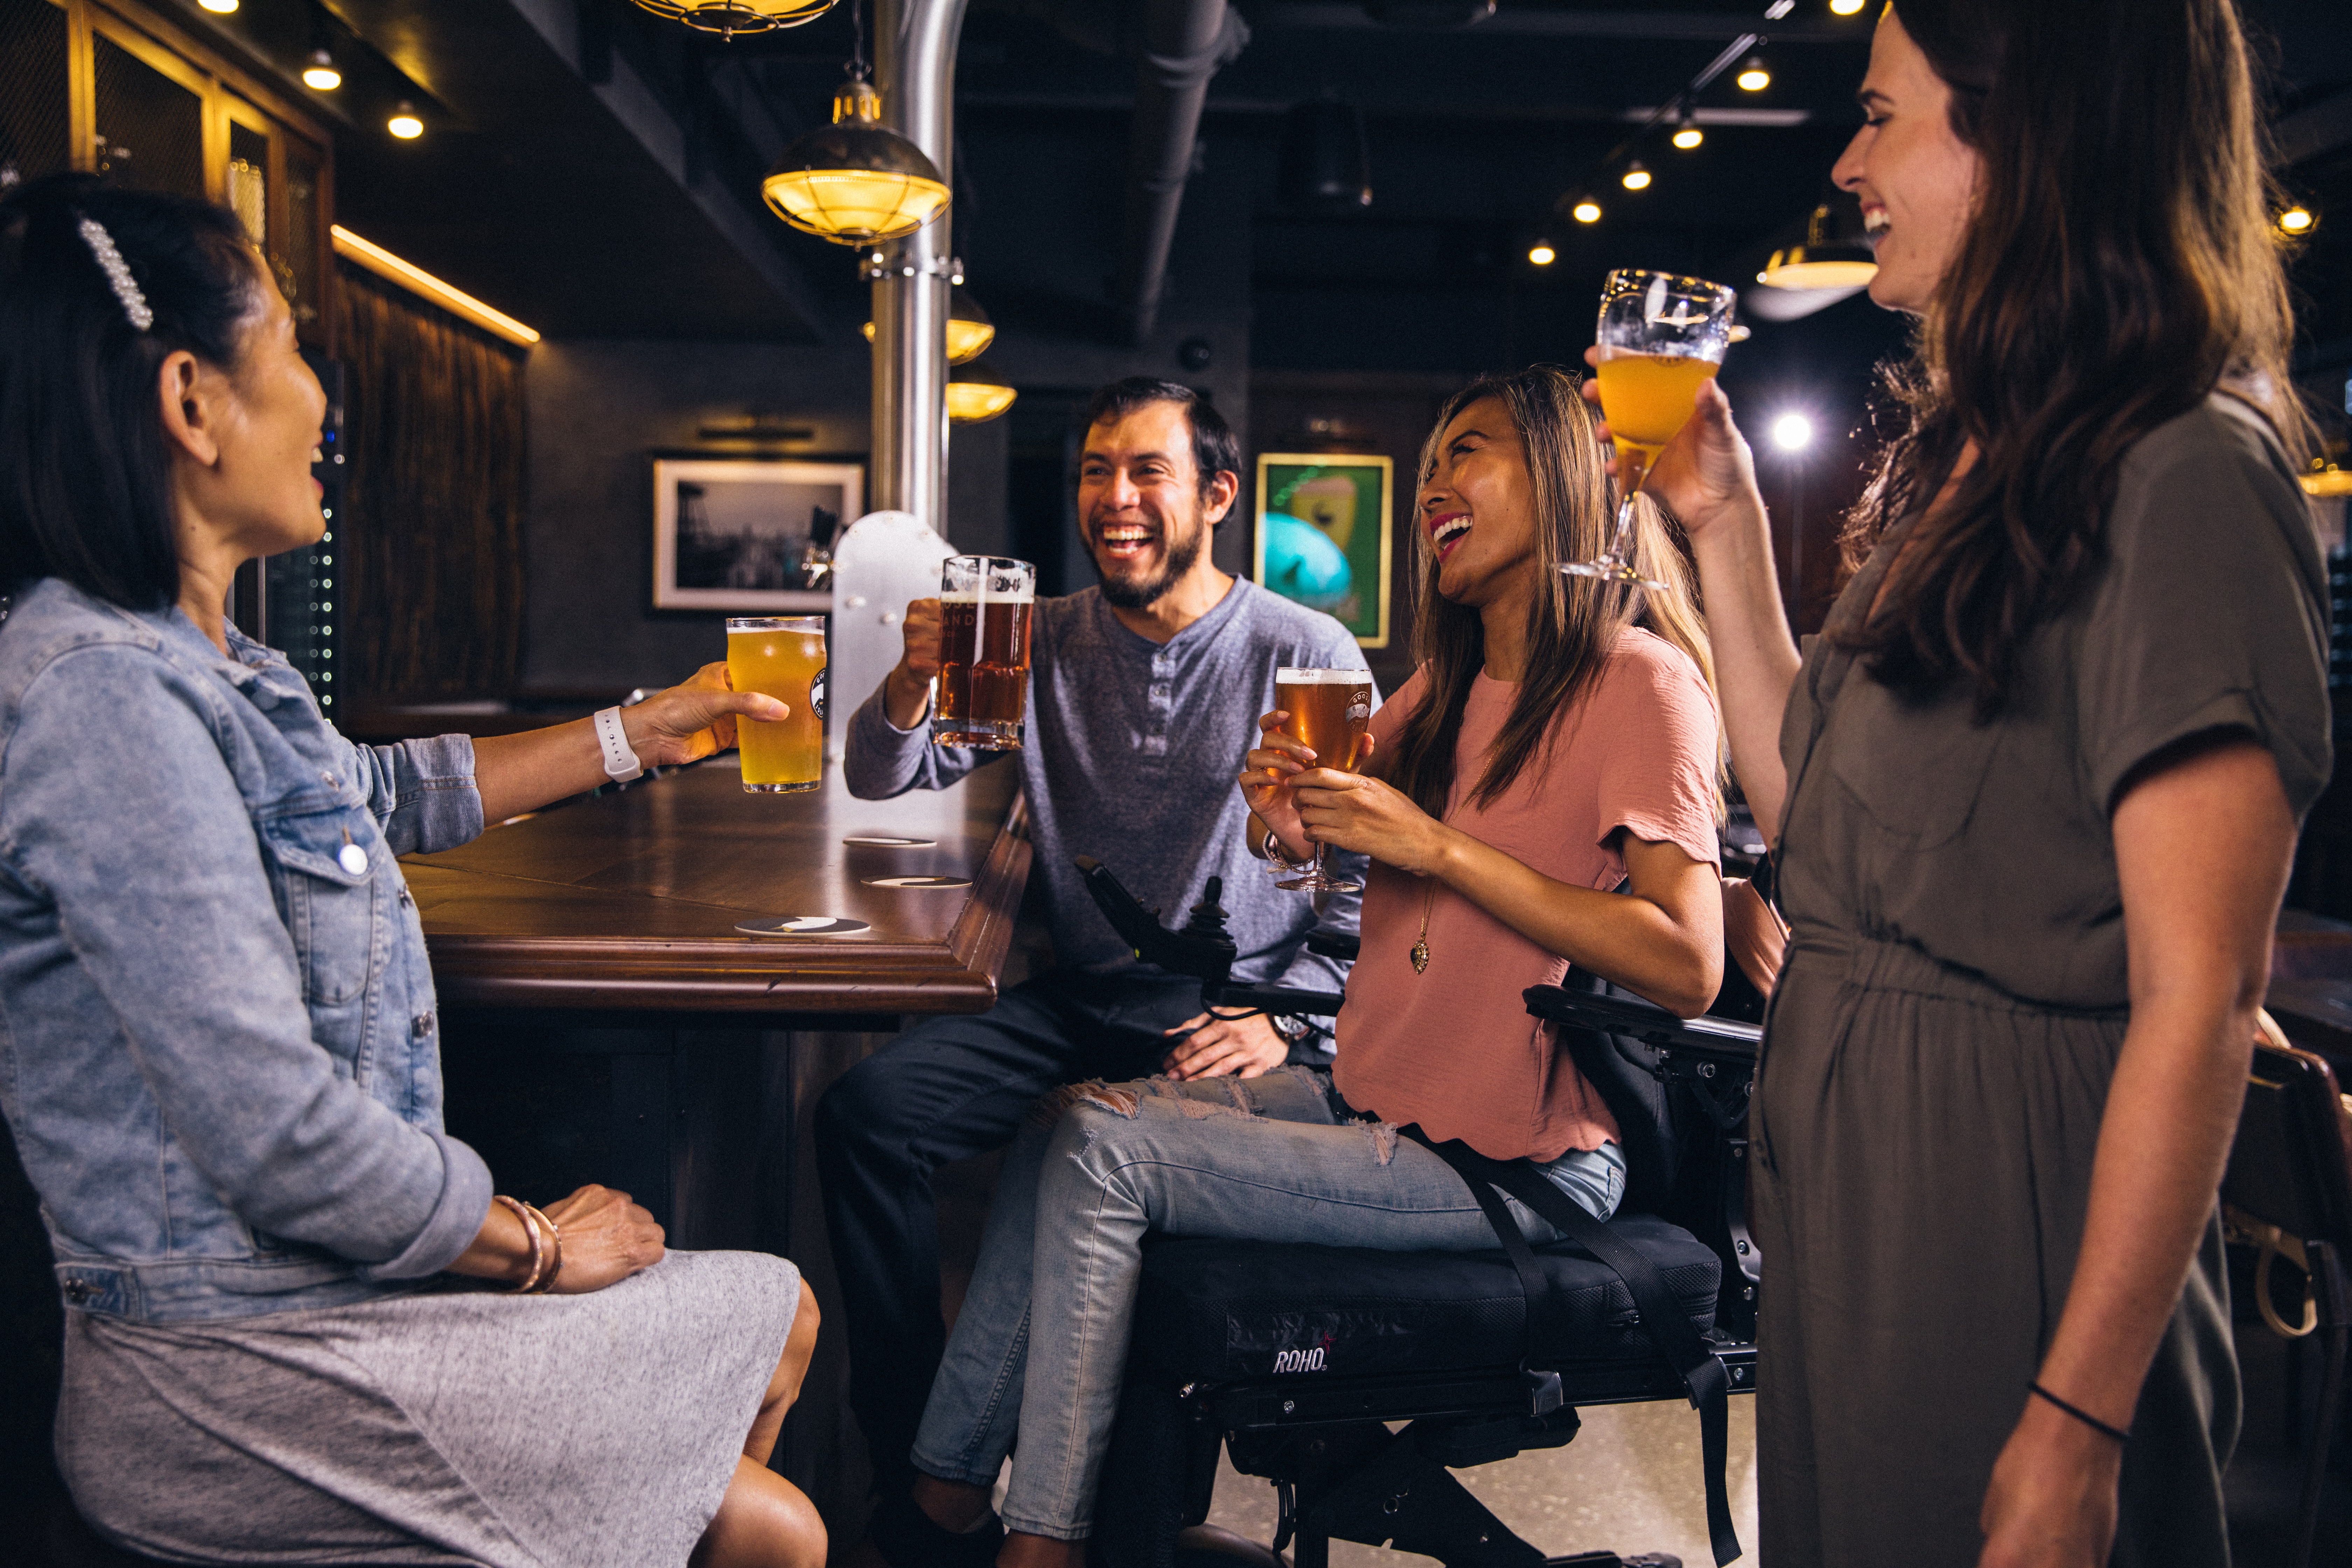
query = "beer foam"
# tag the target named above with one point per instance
(1322, 676)
(985, 596)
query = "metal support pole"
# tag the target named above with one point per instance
(915, 70)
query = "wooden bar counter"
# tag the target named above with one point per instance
(602, 1020)
(630, 901)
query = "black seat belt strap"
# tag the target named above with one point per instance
(1662, 1315)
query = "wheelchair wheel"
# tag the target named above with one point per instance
(1212, 1546)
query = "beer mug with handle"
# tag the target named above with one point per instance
(983, 680)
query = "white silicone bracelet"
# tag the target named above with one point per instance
(620, 761)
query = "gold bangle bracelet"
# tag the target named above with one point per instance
(554, 1252)
(537, 1252)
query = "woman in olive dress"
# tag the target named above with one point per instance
(2035, 793)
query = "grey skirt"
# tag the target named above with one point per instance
(452, 1424)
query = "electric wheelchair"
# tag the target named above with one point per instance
(1297, 1360)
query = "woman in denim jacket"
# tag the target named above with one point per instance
(218, 1046)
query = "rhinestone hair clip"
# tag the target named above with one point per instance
(118, 273)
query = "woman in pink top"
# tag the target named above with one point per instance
(1559, 739)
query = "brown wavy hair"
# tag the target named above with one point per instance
(1573, 623)
(2118, 269)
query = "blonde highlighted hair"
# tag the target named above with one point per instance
(1573, 623)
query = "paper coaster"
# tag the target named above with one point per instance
(917, 882)
(885, 841)
(803, 925)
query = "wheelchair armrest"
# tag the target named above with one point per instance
(1343, 945)
(1282, 999)
(1723, 1039)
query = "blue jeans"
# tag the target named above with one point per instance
(1263, 1158)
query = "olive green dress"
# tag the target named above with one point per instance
(1954, 1001)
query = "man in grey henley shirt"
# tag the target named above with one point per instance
(1144, 694)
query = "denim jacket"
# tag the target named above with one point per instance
(217, 1048)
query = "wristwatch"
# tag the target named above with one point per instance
(1289, 1026)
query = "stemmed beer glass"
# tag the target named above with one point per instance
(1660, 337)
(1331, 710)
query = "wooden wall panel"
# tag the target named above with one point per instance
(434, 420)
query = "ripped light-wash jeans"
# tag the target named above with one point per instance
(1264, 1159)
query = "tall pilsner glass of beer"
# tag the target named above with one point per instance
(781, 656)
(984, 605)
(1329, 710)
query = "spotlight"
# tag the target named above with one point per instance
(1586, 211)
(1844, 7)
(321, 75)
(1753, 77)
(1792, 432)
(404, 124)
(219, 7)
(1687, 135)
(1542, 254)
(2297, 220)
(1637, 178)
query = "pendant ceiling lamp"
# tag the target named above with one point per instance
(729, 17)
(1836, 253)
(857, 180)
(970, 332)
(977, 394)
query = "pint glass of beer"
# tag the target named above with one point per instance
(984, 605)
(781, 656)
(1329, 711)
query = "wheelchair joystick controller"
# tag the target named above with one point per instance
(1202, 948)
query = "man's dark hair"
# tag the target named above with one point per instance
(85, 466)
(1215, 449)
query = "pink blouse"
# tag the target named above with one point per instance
(1453, 1048)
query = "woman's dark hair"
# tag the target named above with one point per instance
(1573, 623)
(84, 474)
(2118, 267)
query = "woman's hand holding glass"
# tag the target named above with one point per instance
(1307, 806)
(694, 719)
(1705, 473)
(1266, 777)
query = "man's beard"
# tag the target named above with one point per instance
(1127, 594)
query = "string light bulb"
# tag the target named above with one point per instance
(1844, 7)
(1753, 75)
(219, 7)
(321, 75)
(2297, 220)
(404, 124)
(1542, 254)
(1688, 135)
(1586, 211)
(1637, 178)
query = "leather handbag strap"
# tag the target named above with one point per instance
(1662, 1315)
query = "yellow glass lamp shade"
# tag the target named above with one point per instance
(977, 394)
(729, 16)
(970, 332)
(1835, 254)
(857, 180)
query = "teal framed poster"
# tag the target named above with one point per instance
(1324, 537)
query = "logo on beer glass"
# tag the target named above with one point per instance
(1359, 711)
(816, 694)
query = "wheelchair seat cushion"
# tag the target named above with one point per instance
(1215, 1310)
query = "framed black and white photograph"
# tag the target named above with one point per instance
(748, 534)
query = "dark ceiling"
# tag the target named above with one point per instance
(593, 169)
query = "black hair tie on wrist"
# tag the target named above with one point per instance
(2120, 1434)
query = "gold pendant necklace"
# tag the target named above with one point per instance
(1421, 948)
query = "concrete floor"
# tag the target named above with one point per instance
(1630, 1483)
